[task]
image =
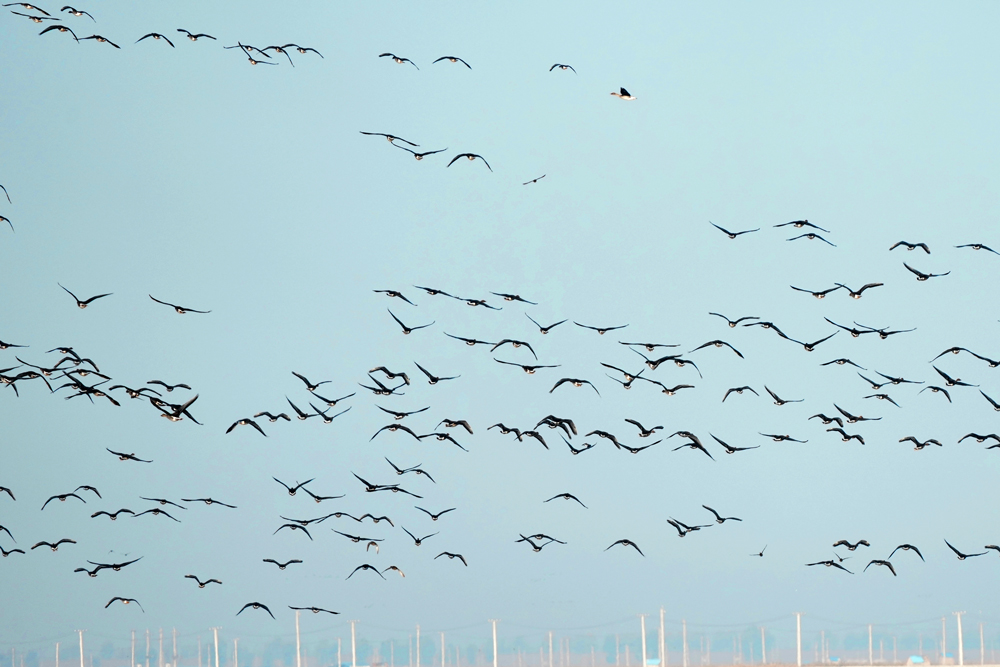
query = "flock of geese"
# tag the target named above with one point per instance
(67, 372)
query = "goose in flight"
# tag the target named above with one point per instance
(576, 382)
(470, 156)
(851, 547)
(544, 330)
(156, 35)
(732, 450)
(54, 546)
(732, 235)
(857, 294)
(911, 246)
(921, 276)
(408, 330)
(314, 610)
(452, 556)
(396, 59)
(246, 421)
(282, 566)
(29, 7)
(420, 156)
(564, 67)
(600, 330)
(719, 518)
(830, 563)
(433, 516)
(99, 38)
(534, 180)
(627, 543)
(124, 601)
(391, 138)
(732, 323)
(566, 496)
(60, 28)
(819, 295)
(81, 304)
(255, 605)
(365, 566)
(907, 547)
(961, 556)
(883, 563)
(452, 59)
(194, 37)
(180, 309)
(738, 390)
(978, 246)
(202, 584)
(799, 224)
(623, 94)
(812, 237)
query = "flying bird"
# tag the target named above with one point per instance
(911, 246)
(961, 556)
(857, 294)
(255, 605)
(408, 330)
(563, 67)
(600, 330)
(194, 37)
(627, 543)
(202, 584)
(433, 516)
(124, 601)
(978, 246)
(799, 224)
(738, 390)
(180, 309)
(314, 610)
(282, 566)
(830, 563)
(811, 236)
(470, 156)
(732, 450)
(396, 59)
(622, 94)
(731, 235)
(249, 422)
(157, 36)
(81, 304)
(907, 547)
(719, 518)
(566, 496)
(921, 276)
(576, 382)
(452, 556)
(733, 323)
(392, 139)
(452, 59)
(851, 547)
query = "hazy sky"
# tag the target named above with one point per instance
(192, 176)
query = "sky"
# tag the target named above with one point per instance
(190, 175)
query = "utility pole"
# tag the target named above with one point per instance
(215, 633)
(642, 632)
(763, 647)
(80, 632)
(57, 644)
(354, 647)
(199, 651)
(174, 661)
(410, 640)
(236, 653)
(160, 658)
(798, 639)
(870, 659)
(340, 662)
(550, 648)
(684, 638)
(894, 649)
(982, 648)
(961, 652)
(298, 644)
(132, 664)
(618, 659)
(442, 649)
(944, 641)
(493, 621)
(418, 646)
(661, 647)
(822, 646)
(147, 647)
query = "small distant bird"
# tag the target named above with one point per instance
(122, 456)
(907, 547)
(563, 67)
(566, 496)
(54, 546)
(255, 605)
(911, 246)
(194, 38)
(576, 382)
(180, 309)
(600, 330)
(732, 450)
(470, 156)
(627, 543)
(760, 553)
(811, 236)
(396, 59)
(452, 59)
(830, 563)
(780, 401)
(435, 517)
(25, 5)
(452, 556)
(541, 329)
(85, 302)
(733, 323)
(799, 224)
(921, 276)
(857, 294)
(819, 295)
(365, 566)
(202, 584)
(621, 94)
(391, 138)
(408, 330)
(719, 518)
(738, 390)
(851, 547)
(282, 566)
(420, 156)
(124, 601)
(534, 180)
(157, 36)
(961, 556)
(249, 422)
(99, 38)
(731, 235)
(314, 610)
(62, 498)
(978, 246)
(60, 28)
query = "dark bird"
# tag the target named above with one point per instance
(845, 436)
(923, 276)
(643, 431)
(202, 584)
(60, 28)
(829, 420)
(830, 563)
(55, 546)
(163, 501)
(393, 138)
(530, 370)
(470, 156)
(719, 518)
(936, 390)
(417, 541)
(393, 428)
(717, 343)
(292, 489)
(112, 515)
(851, 547)
(99, 38)
(760, 553)
(393, 293)
(314, 610)
(194, 38)
(917, 445)
(907, 547)
(442, 437)
(207, 501)
(5, 530)
(401, 415)
(4, 489)
(562, 67)
(365, 566)
(320, 499)
(627, 543)
(842, 361)
(961, 556)
(433, 516)
(534, 180)
(62, 498)
(978, 246)
(408, 330)
(733, 323)
(294, 526)
(516, 344)
(169, 387)
(541, 329)
(452, 556)
(809, 347)
(576, 450)
(732, 235)
(911, 246)
(576, 382)
(156, 511)
(117, 567)
(566, 496)
(977, 436)
(396, 59)
(310, 385)
(898, 380)
(180, 309)
(122, 456)
(780, 401)
(600, 330)
(379, 390)
(333, 401)
(818, 295)
(694, 443)
(86, 302)
(636, 450)
(455, 423)
(622, 94)
(857, 294)
(799, 224)
(732, 450)
(883, 397)
(952, 382)
(431, 378)
(420, 156)
(124, 601)
(177, 411)
(282, 566)
(996, 406)
(682, 528)
(249, 422)
(30, 8)
(649, 346)
(255, 605)
(155, 35)
(781, 438)
(301, 49)
(854, 419)
(738, 390)
(452, 59)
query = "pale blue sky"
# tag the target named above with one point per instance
(189, 175)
